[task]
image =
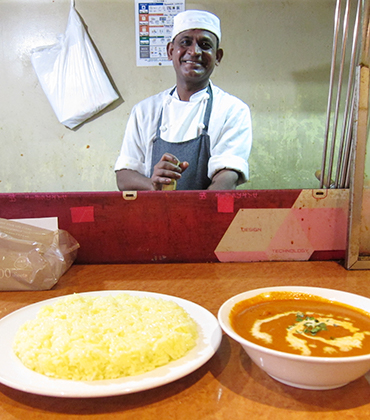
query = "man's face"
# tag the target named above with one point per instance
(194, 54)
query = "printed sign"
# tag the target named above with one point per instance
(153, 23)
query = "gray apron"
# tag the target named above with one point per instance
(195, 151)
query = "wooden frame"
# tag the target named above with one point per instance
(354, 259)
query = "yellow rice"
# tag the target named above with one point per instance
(86, 338)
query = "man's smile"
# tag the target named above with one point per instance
(191, 62)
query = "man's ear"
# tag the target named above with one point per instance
(219, 55)
(169, 50)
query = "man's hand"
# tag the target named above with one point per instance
(166, 170)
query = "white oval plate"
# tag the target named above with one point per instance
(15, 375)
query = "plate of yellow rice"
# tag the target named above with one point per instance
(105, 343)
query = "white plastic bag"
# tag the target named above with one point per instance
(72, 76)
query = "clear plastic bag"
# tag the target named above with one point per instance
(72, 76)
(32, 258)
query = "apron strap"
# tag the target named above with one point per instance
(207, 114)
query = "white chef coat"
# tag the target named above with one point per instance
(230, 130)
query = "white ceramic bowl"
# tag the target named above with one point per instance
(305, 372)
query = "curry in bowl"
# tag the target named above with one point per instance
(303, 324)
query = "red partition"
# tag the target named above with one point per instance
(147, 227)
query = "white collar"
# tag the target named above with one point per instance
(195, 97)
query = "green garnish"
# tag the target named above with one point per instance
(312, 325)
(299, 317)
(315, 328)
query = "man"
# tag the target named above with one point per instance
(195, 134)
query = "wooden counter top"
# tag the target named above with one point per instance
(229, 386)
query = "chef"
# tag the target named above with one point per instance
(194, 134)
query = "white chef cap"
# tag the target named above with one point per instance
(196, 19)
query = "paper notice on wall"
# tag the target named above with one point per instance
(153, 25)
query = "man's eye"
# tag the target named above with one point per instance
(205, 46)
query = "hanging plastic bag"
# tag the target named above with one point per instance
(72, 76)
(33, 258)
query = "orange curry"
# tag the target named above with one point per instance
(302, 324)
